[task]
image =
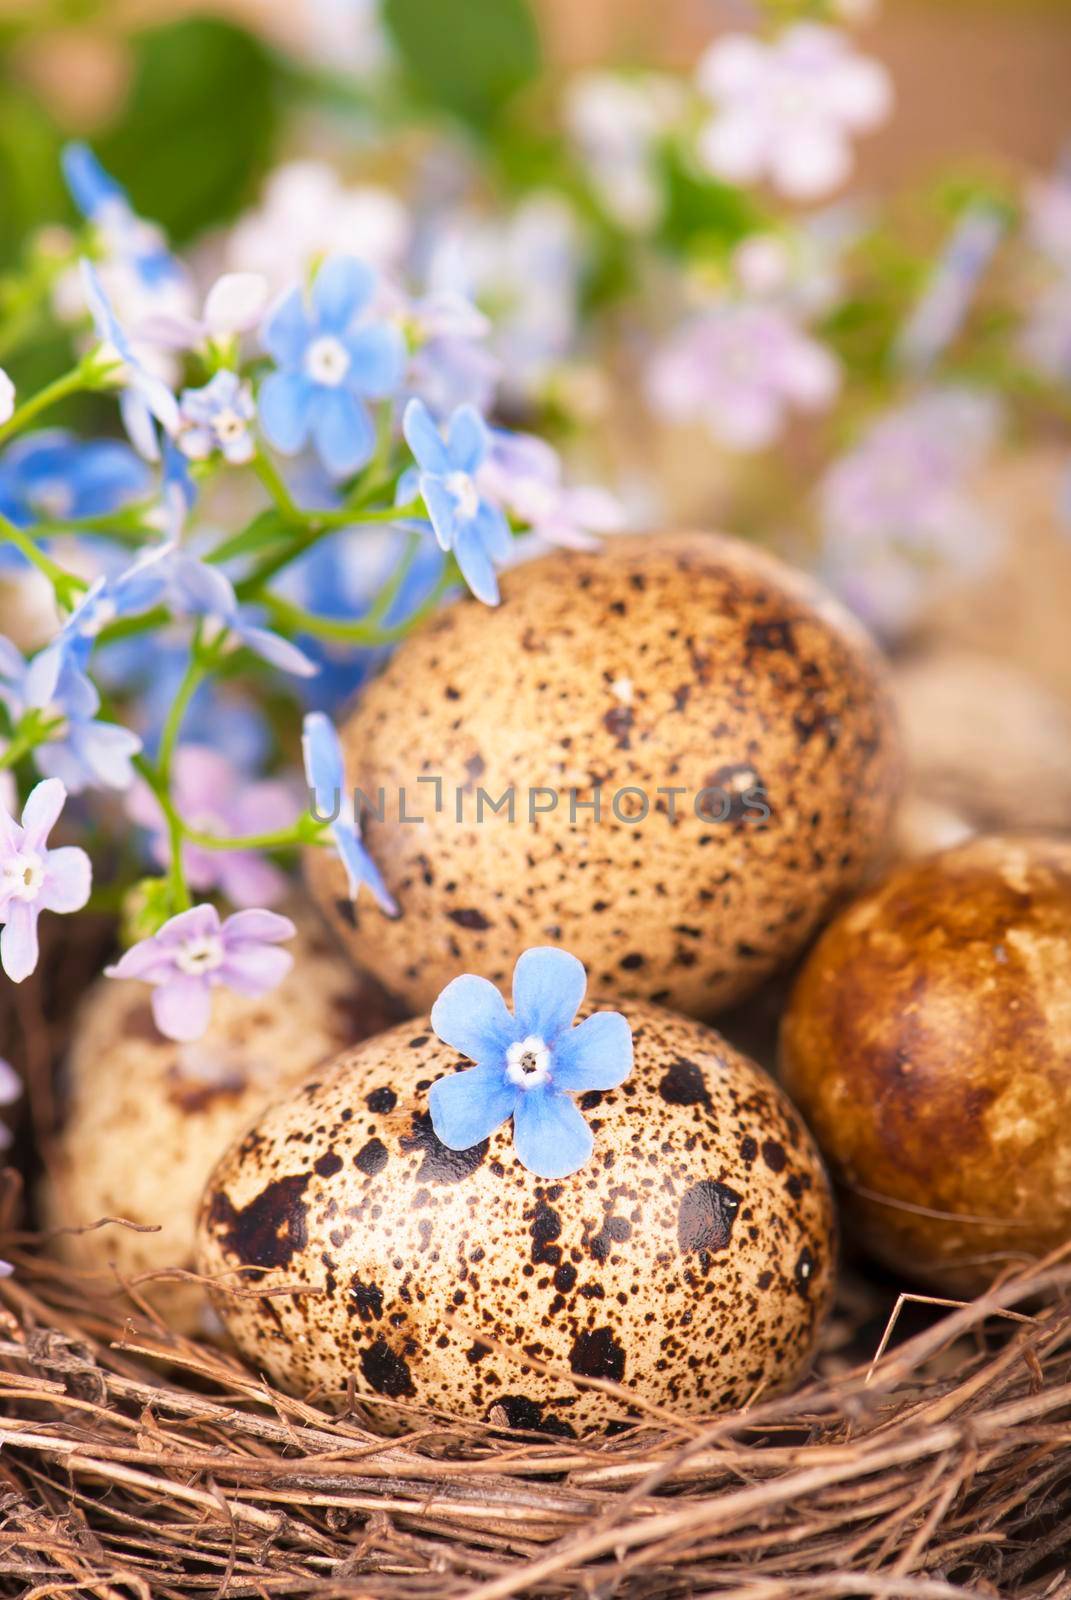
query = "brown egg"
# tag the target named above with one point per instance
(146, 1118)
(691, 1259)
(732, 718)
(928, 1044)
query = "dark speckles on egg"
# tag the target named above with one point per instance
(677, 663)
(676, 1262)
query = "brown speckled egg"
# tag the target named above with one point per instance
(928, 1043)
(691, 1259)
(146, 1118)
(688, 663)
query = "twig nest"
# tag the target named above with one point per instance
(928, 1044)
(146, 1118)
(690, 1261)
(692, 752)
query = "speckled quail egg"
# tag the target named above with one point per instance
(146, 1118)
(928, 1043)
(730, 720)
(690, 1259)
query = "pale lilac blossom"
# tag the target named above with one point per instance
(34, 878)
(523, 474)
(786, 110)
(740, 369)
(951, 287)
(617, 122)
(194, 954)
(213, 796)
(234, 305)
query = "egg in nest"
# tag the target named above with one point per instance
(928, 1043)
(730, 721)
(690, 1259)
(145, 1118)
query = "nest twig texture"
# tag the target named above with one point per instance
(134, 1463)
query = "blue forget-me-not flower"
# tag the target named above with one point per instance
(529, 1062)
(332, 356)
(464, 520)
(326, 777)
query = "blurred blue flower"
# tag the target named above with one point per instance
(463, 519)
(332, 357)
(326, 777)
(218, 417)
(55, 477)
(124, 593)
(79, 750)
(104, 202)
(144, 396)
(196, 589)
(528, 1063)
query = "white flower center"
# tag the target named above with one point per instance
(462, 485)
(229, 426)
(528, 1062)
(327, 360)
(198, 956)
(23, 875)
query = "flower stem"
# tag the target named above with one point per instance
(364, 632)
(299, 833)
(196, 670)
(66, 584)
(273, 481)
(52, 393)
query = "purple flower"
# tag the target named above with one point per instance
(739, 369)
(35, 879)
(213, 796)
(786, 110)
(332, 357)
(946, 299)
(195, 953)
(524, 474)
(326, 777)
(898, 520)
(528, 1063)
(464, 519)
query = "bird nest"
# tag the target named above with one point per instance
(928, 1457)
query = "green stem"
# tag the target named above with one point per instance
(282, 839)
(66, 584)
(181, 898)
(70, 383)
(273, 481)
(364, 632)
(196, 670)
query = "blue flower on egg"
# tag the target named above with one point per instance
(528, 1063)
(464, 519)
(332, 356)
(326, 776)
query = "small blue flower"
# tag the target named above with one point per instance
(217, 417)
(55, 477)
(196, 589)
(464, 520)
(104, 202)
(82, 752)
(332, 357)
(326, 777)
(528, 1064)
(133, 589)
(144, 396)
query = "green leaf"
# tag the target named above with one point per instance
(31, 190)
(198, 126)
(466, 56)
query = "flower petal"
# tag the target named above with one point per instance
(377, 354)
(468, 440)
(342, 431)
(492, 530)
(287, 330)
(467, 1107)
(442, 509)
(277, 651)
(148, 961)
(424, 439)
(324, 771)
(182, 1007)
(360, 868)
(253, 969)
(235, 301)
(596, 1054)
(18, 940)
(548, 986)
(343, 285)
(550, 1136)
(477, 568)
(260, 925)
(283, 403)
(199, 922)
(471, 1016)
(41, 811)
(68, 879)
